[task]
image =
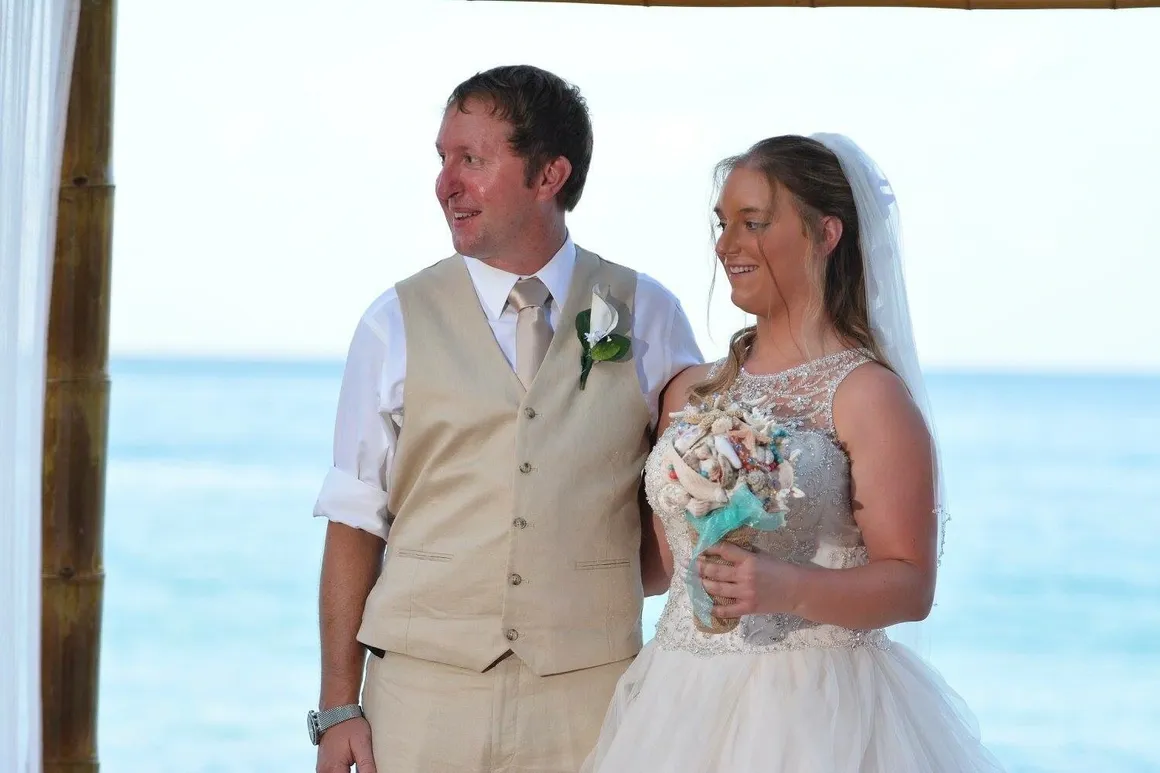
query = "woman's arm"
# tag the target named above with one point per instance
(892, 491)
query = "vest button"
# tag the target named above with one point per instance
(512, 634)
(520, 523)
(530, 413)
(515, 579)
(525, 467)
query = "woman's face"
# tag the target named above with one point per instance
(762, 244)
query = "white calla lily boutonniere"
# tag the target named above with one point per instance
(598, 342)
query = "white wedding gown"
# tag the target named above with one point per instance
(780, 694)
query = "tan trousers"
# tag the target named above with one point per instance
(433, 718)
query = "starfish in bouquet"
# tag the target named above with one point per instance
(727, 446)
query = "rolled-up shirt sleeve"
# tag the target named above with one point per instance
(355, 489)
(669, 343)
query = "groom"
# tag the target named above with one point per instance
(506, 601)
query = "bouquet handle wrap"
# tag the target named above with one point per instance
(736, 523)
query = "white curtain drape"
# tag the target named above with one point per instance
(37, 38)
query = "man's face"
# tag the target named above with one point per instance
(481, 185)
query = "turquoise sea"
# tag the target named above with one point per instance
(1048, 617)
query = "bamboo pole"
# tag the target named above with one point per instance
(959, 4)
(76, 408)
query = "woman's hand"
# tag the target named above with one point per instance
(893, 501)
(757, 583)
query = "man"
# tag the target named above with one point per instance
(508, 601)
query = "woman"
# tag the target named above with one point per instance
(791, 668)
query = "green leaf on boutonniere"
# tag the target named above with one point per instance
(583, 325)
(613, 348)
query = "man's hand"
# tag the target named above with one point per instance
(347, 743)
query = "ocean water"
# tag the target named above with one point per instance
(1048, 616)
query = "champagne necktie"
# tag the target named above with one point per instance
(529, 298)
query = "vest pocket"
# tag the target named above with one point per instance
(423, 555)
(608, 563)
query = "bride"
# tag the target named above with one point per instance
(772, 655)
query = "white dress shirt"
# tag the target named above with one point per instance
(370, 403)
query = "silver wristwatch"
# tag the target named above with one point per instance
(318, 722)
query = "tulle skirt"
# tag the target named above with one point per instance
(859, 710)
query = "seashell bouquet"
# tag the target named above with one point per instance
(729, 469)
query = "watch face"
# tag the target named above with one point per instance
(312, 726)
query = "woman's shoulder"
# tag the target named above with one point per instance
(676, 395)
(681, 385)
(868, 379)
(872, 399)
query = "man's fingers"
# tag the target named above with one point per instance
(329, 765)
(364, 758)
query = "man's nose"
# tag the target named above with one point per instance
(446, 183)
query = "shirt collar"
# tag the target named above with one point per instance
(493, 285)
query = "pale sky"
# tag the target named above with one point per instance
(275, 165)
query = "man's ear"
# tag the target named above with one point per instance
(552, 178)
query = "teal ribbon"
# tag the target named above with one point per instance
(743, 509)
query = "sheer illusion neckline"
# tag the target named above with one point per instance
(804, 367)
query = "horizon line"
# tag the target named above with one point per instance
(276, 360)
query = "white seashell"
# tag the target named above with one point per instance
(689, 479)
(673, 498)
(726, 449)
(785, 477)
(699, 507)
(686, 439)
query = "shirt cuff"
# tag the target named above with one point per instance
(347, 500)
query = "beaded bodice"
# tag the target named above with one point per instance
(819, 527)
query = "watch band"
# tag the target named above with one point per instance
(318, 722)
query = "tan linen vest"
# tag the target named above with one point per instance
(516, 521)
